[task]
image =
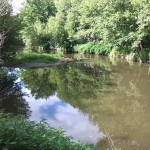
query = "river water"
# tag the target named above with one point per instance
(100, 101)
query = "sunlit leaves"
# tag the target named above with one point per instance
(65, 23)
(19, 133)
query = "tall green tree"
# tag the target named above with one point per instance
(116, 25)
(35, 16)
(4, 11)
(9, 29)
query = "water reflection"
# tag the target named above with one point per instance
(93, 99)
(72, 82)
(11, 96)
(118, 102)
(60, 114)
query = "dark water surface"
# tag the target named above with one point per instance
(100, 101)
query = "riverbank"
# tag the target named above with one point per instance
(36, 60)
(32, 57)
(26, 60)
(100, 49)
(37, 65)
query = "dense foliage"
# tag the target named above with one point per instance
(112, 26)
(115, 27)
(18, 133)
(9, 29)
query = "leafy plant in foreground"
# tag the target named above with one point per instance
(18, 133)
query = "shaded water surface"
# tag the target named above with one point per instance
(98, 101)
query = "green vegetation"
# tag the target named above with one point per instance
(90, 47)
(19, 133)
(10, 26)
(34, 58)
(112, 27)
(115, 27)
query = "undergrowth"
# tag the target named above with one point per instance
(17, 133)
(128, 53)
(91, 47)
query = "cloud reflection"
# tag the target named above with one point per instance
(60, 114)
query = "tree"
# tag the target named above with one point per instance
(10, 26)
(3, 11)
(111, 26)
(35, 16)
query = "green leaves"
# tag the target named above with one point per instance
(35, 16)
(18, 133)
(38, 10)
(64, 24)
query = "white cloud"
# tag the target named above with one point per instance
(61, 114)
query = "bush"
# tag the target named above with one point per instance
(18, 133)
(91, 47)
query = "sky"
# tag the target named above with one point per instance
(17, 5)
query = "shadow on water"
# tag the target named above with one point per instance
(11, 96)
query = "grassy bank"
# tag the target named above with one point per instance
(18, 133)
(129, 54)
(31, 57)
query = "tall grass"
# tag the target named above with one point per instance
(17, 133)
(30, 57)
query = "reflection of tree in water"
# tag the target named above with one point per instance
(71, 82)
(39, 82)
(121, 108)
(11, 96)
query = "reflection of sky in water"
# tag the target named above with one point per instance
(60, 114)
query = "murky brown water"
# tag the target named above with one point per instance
(101, 101)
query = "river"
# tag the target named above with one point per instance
(101, 101)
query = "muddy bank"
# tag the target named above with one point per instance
(37, 65)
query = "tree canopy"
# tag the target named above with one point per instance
(115, 27)
(9, 29)
(122, 25)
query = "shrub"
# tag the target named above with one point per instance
(18, 133)
(91, 47)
